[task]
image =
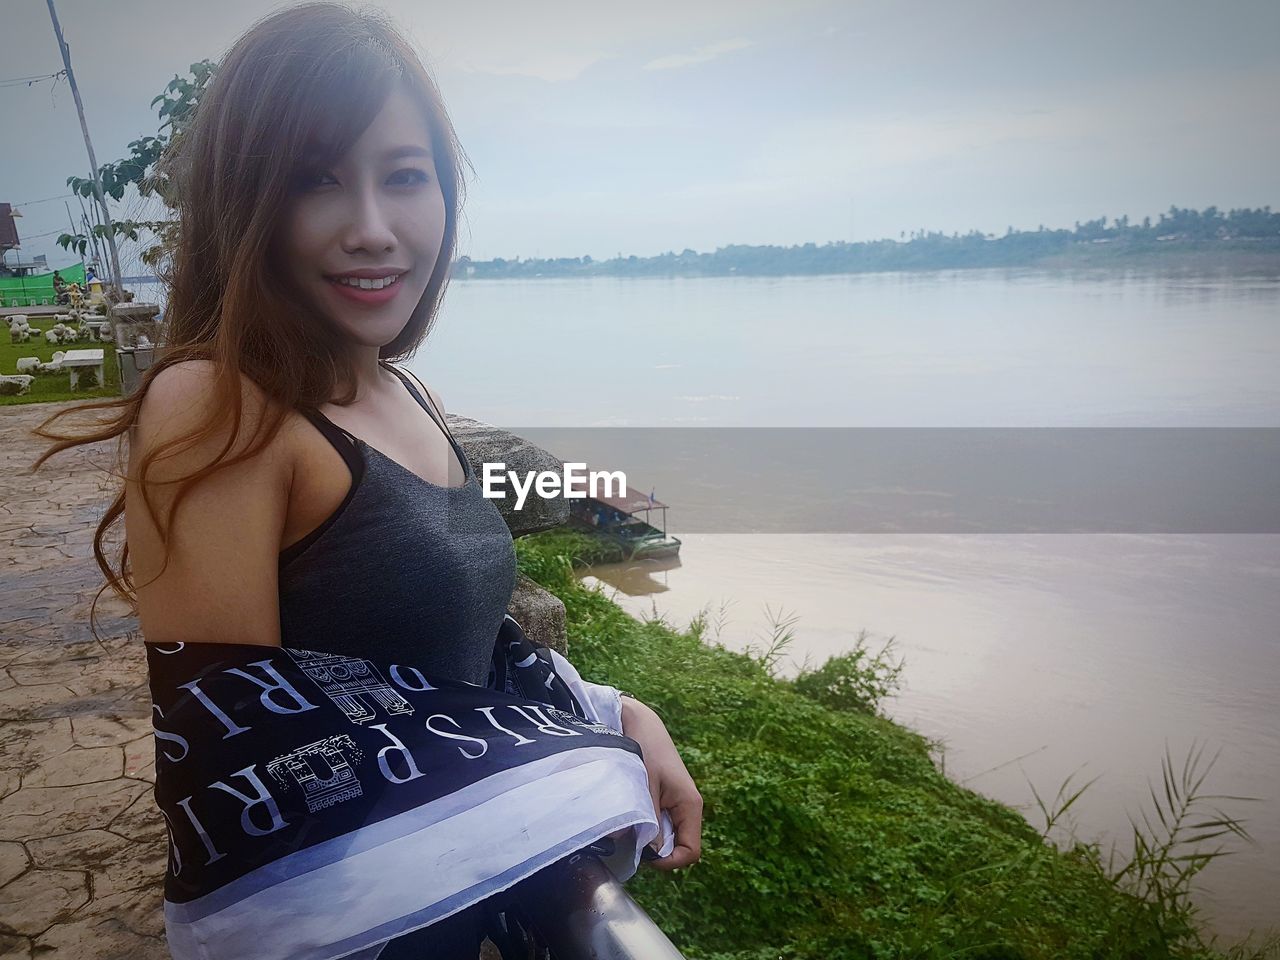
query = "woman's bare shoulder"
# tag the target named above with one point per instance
(194, 382)
(181, 396)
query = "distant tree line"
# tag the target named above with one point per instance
(1179, 229)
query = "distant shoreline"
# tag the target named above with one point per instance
(933, 252)
(1247, 256)
(1229, 256)
(1233, 257)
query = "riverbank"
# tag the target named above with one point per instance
(1191, 259)
(832, 832)
(1050, 250)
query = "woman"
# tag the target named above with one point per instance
(287, 484)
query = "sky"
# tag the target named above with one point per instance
(604, 128)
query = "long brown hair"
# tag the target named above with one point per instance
(301, 83)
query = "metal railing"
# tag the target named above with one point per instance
(581, 912)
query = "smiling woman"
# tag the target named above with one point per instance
(321, 153)
(367, 229)
(291, 488)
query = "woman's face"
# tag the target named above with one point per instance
(360, 239)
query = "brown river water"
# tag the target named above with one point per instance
(1035, 657)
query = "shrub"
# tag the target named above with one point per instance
(858, 679)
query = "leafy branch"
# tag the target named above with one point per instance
(142, 169)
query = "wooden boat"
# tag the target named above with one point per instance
(624, 521)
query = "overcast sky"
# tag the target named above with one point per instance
(599, 128)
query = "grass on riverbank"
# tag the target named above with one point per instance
(829, 832)
(50, 387)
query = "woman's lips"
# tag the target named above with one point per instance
(360, 295)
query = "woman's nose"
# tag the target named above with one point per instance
(369, 225)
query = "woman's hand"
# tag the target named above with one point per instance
(670, 785)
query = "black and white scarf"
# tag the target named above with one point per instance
(320, 805)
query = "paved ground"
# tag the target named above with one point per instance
(82, 846)
(43, 310)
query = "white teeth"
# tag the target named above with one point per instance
(366, 284)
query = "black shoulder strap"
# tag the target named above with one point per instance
(424, 400)
(342, 441)
(422, 392)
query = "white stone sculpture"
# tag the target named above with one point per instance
(14, 386)
(61, 333)
(54, 365)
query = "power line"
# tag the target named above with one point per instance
(39, 235)
(29, 81)
(28, 203)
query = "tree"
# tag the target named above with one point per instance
(140, 169)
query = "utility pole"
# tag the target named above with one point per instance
(94, 246)
(93, 161)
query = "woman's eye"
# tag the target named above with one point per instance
(408, 176)
(309, 179)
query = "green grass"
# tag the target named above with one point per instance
(829, 831)
(49, 387)
(583, 547)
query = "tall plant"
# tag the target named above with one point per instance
(142, 169)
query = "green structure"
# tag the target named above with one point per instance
(35, 289)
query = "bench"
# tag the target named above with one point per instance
(77, 360)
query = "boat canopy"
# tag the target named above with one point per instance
(633, 502)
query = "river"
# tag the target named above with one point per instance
(1029, 657)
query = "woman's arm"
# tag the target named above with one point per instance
(221, 580)
(670, 784)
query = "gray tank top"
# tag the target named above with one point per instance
(404, 569)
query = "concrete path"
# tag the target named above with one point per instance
(82, 845)
(41, 310)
